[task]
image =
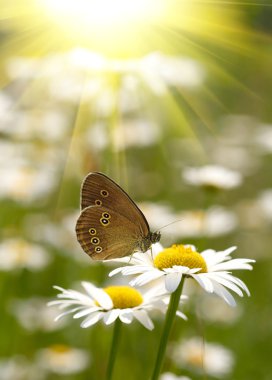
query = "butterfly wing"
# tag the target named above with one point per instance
(99, 190)
(105, 234)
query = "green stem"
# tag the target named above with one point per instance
(114, 346)
(169, 319)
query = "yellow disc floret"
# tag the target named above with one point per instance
(124, 297)
(180, 255)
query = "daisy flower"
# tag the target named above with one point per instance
(62, 359)
(213, 176)
(211, 269)
(111, 303)
(215, 359)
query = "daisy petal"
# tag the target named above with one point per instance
(115, 271)
(85, 312)
(111, 315)
(225, 294)
(66, 313)
(126, 316)
(227, 283)
(94, 318)
(146, 277)
(99, 295)
(181, 315)
(143, 318)
(204, 282)
(172, 281)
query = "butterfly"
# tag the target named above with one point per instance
(111, 225)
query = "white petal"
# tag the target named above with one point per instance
(115, 271)
(126, 316)
(234, 264)
(94, 318)
(143, 318)
(172, 281)
(156, 248)
(224, 293)
(65, 303)
(99, 295)
(111, 315)
(181, 315)
(85, 312)
(147, 277)
(127, 271)
(238, 282)
(226, 283)
(204, 282)
(66, 313)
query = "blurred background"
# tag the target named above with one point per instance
(147, 93)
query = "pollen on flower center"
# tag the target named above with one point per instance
(124, 296)
(180, 255)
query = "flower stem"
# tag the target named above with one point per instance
(169, 319)
(113, 350)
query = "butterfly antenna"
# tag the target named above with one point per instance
(169, 224)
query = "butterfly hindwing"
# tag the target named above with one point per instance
(106, 234)
(99, 190)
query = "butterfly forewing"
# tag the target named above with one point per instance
(106, 234)
(99, 190)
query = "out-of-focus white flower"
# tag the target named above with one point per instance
(161, 71)
(123, 302)
(24, 68)
(135, 132)
(59, 234)
(33, 314)
(26, 183)
(158, 215)
(238, 129)
(5, 103)
(48, 125)
(18, 253)
(62, 359)
(130, 133)
(19, 368)
(66, 72)
(221, 313)
(238, 157)
(171, 376)
(264, 202)
(211, 358)
(263, 137)
(215, 221)
(212, 176)
(210, 269)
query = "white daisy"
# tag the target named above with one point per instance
(215, 359)
(19, 253)
(123, 302)
(211, 269)
(62, 359)
(213, 176)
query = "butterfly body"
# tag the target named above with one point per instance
(110, 224)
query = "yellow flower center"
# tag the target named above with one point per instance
(180, 255)
(124, 296)
(60, 348)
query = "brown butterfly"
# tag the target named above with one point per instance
(110, 224)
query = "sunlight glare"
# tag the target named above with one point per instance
(103, 12)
